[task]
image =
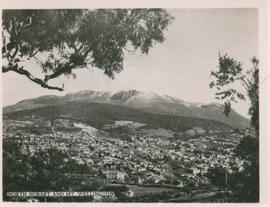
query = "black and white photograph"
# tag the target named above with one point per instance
(131, 105)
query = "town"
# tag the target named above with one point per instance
(138, 159)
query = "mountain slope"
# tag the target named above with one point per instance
(148, 102)
(99, 114)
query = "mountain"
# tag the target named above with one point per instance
(147, 102)
(99, 115)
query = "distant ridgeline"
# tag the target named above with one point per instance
(99, 109)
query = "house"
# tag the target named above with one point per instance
(121, 176)
(195, 170)
(114, 175)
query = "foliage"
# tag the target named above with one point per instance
(253, 94)
(61, 41)
(217, 175)
(120, 132)
(244, 184)
(230, 71)
(248, 149)
(42, 171)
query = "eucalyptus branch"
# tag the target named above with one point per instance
(58, 72)
(72, 44)
(34, 53)
(22, 71)
(246, 84)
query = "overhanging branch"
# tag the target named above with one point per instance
(56, 74)
(21, 71)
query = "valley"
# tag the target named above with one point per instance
(139, 155)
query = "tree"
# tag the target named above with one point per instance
(229, 72)
(217, 175)
(245, 184)
(60, 41)
(42, 171)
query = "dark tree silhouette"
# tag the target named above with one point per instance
(61, 41)
(229, 72)
(42, 171)
(244, 184)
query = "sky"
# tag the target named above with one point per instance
(179, 67)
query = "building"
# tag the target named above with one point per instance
(114, 175)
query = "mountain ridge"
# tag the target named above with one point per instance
(99, 115)
(145, 101)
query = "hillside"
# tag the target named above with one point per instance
(98, 115)
(147, 102)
